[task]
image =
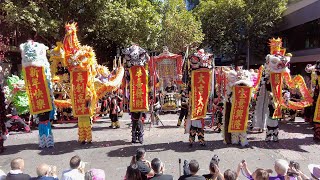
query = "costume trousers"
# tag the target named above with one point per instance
(183, 114)
(239, 138)
(137, 131)
(196, 131)
(45, 134)
(114, 117)
(84, 129)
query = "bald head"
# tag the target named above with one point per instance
(17, 164)
(43, 169)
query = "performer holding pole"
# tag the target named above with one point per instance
(37, 78)
(201, 69)
(136, 60)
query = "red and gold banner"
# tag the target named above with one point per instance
(37, 90)
(276, 86)
(298, 83)
(261, 69)
(138, 89)
(79, 81)
(200, 91)
(316, 117)
(240, 109)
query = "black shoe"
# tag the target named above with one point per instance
(133, 142)
(83, 142)
(191, 144)
(141, 142)
(203, 144)
(117, 127)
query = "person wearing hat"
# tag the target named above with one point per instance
(314, 170)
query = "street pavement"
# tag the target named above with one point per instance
(112, 149)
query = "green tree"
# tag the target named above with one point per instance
(180, 27)
(230, 26)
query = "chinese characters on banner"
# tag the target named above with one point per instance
(138, 89)
(200, 90)
(37, 90)
(79, 80)
(316, 117)
(167, 68)
(240, 109)
(276, 86)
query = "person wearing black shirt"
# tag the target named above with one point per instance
(60, 69)
(3, 129)
(194, 168)
(158, 169)
(114, 110)
(184, 106)
(143, 165)
(295, 98)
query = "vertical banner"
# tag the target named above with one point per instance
(138, 89)
(79, 81)
(276, 86)
(37, 90)
(240, 109)
(316, 117)
(200, 91)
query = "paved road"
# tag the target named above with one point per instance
(112, 149)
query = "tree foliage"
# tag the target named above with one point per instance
(180, 27)
(228, 24)
(105, 24)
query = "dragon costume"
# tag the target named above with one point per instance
(272, 99)
(89, 81)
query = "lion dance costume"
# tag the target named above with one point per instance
(86, 88)
(200, 85)
(312, 113)
(136, 59)
(37, 76)
(277, 74)
(236, 107)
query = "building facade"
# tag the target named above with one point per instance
(300, 31)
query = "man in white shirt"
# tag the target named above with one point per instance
(76, 171)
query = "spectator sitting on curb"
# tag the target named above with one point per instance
(45, 172)
(133, 173)
(230, 175)
(95, 174)
(158, 168)
(16, 172)
(194, 168)
(144, 166)
(215, 173)
(76, 171)
(2, 175)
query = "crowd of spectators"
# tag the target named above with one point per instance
(142, 169)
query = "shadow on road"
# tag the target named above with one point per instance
(62, 147)
(286, 144)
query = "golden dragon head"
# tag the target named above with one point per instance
(71, 28)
